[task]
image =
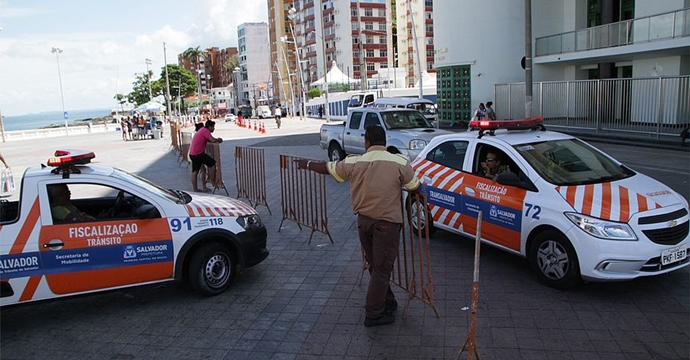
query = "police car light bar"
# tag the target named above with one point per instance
(493, 125)
(70, 157)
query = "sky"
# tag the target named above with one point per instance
(104, 44)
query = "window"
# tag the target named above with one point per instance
(355, 120)
(450, 154)
(381, 12)
(353, 12)
(370, 66)
(355, 26)
(368, 25)
(371, 120)
(370, 53)
(382, 40)
(369, 39)
(382, 26)
(383, 53)
(95, 202)
(430, 53)
(368, 12)
(355, 54)
(429, 28)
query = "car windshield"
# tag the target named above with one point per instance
(145, 184)
(405, 120)
(571, 162)
(424, 108)
(355, 101)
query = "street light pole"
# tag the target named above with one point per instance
(292, 90)
(325, 65)
(292, 15)
(198, 107)
(167, 82)
(148, 78)
(57, 52)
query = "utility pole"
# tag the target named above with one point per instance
(167, 82)
(416, 49)
(148, 78)
(528, 59)
(362, 57)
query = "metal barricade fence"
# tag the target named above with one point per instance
(412, 268)
(185, 142)
(175, 137)
(303, 197)
(658, 106)
(250, 173)
(213, 150)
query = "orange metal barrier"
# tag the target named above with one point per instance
(250, 173)
(303, 197)
(412, 268)
(175, 137)
(213, 150)
(185, 142)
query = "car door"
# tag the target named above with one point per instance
(501, 205)
(352, 134)
(443, 179)
(109, 251)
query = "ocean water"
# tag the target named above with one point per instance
(43, 119)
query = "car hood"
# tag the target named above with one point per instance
(619, 200)
(216, 205)
(421, 133)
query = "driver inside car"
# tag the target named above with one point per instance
(63, 211)
(62, 208)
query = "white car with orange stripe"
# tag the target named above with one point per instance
(130, 231)
(572, 210)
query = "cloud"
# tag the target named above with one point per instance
(99, 61)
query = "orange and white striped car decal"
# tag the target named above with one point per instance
(606, 201)
(19, 245)
(442, 178)
(210, 206)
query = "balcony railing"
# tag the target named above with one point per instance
(664, 26)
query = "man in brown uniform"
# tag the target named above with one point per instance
(376, 181)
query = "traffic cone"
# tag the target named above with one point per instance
(256, 128)
(263, 128)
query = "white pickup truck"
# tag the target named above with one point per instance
(407, 132)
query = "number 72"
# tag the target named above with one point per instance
(537, 211)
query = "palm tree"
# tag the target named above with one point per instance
(194, 55)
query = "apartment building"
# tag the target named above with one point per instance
(415, 20)
(211, 67)
(282, 45)
(482, 43)
(254, 59)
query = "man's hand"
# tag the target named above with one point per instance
(301, 163)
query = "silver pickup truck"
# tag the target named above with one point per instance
(407, 132)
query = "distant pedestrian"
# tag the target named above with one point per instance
(123, 125)
(320, 111)
(490, 113)
(376, 178)
(197, 153)
(684, 135)
(278, 115)
(479, 113)
(129, 128)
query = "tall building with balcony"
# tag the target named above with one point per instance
(254, 62)
(210, 68)
(356, 34)
(282, 45)
(414, 20)
(481, 44)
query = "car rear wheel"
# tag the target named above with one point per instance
(212, 269)
(555, 261)
(418, 217)
(335, 153)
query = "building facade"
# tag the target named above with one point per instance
(254, 62)
(211, 67)
(415, 20)
(571, 41)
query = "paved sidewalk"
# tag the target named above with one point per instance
(304, 302)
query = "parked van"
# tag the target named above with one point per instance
(264, 112)
(425, 106)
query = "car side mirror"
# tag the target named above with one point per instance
(511, 179)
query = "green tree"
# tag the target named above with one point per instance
(232, 63)
(121, 99)
(140, 89)
(182, 82)
(313, 93)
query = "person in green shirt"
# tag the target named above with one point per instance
(62, 208)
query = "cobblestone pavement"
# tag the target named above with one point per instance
(304, 301)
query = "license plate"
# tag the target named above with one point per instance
(673, 255)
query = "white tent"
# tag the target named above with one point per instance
(335, 76)
(151, 106)
(427, 80)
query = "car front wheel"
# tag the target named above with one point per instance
(212, 269)
(555, 261)
(418, 218)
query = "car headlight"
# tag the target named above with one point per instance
(249, 222)
(602, 229)
(417, 144)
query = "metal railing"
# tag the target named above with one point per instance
(664, 26)
(643, 106)
(250, 176)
